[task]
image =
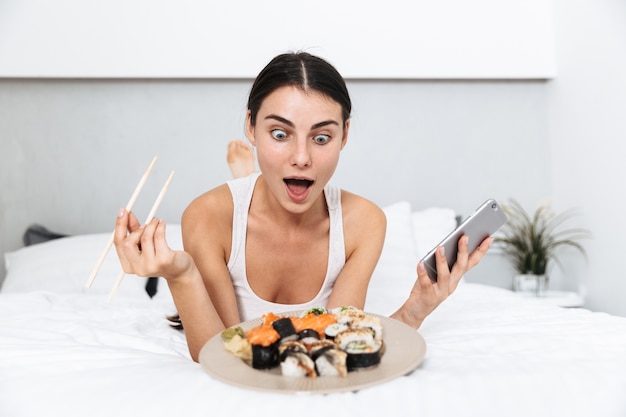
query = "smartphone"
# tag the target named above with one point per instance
(479, 225)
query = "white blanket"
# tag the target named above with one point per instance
(489, 353)
(65, 351)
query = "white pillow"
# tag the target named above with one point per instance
(430, 226)
(64, 265)
(395, 273)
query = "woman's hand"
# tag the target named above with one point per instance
(143, 250)
(426, 295)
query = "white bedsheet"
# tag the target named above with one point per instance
(489, 353)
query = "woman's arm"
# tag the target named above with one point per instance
(207, 236)
(364, 226)
(143, 251)
(364, 232)
(426, 295)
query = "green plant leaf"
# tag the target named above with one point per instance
(531, 242)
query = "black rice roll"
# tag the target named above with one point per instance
(308, 333)
(284, 327)
(290, 346)
(316, 352)
(360, 360)
(265, 357)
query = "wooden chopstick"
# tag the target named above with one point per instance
(129, 206)
(149, 218)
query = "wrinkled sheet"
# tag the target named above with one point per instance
(489, 353)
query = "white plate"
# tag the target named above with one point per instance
(404, 351)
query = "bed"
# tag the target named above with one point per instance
(66, 351)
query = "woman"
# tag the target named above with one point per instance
(282, 239)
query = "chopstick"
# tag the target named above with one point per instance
(149, 218)
(129, 206)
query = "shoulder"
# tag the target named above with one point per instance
(212, 202)
(208, 214)
(357, 208)
(362, 219)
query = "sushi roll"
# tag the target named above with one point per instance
(320, 345)
(334, 329)
(297, 364)
(264, 341)
(318, 322)
(265, 357)
(308, 336)
(369, 322)
(291, 346)
(346, 315)
(330, 361)
(284, 328)
(314, 310)
(363, 351)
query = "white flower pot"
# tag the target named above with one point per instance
(531, 283)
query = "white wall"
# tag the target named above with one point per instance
(588, 140)
(72, 150)
(232, 39)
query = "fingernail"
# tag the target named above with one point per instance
(442, 251)
(121, 212)
(420, 266)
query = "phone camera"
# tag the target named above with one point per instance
(494, 206)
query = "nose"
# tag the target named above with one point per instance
(300, 154)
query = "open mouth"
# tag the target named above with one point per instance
(298, 186)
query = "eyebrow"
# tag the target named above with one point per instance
(291, 124)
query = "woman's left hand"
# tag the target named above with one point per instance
(426, 295)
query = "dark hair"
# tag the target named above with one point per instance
(302, 70)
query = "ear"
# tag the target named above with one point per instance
(344, 139)
(250, 129)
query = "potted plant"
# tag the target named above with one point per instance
(530, 243)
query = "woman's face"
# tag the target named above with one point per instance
(298, 137)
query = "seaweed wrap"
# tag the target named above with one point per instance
(291, 346)
(308, 336)
(331, 361)
(264, 340)
(265, 357)
(297, 364)
(284, 328)
(334, 329)
(362, 348)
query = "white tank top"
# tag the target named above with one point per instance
(251, 305)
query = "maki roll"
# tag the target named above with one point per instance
(314, 310)
(334, 329)
(264, 341)
(346, 315)
(363, 351)
(308, 336)
(332, 362)
(265, 357)
(329, 360)
(369, 322)
(297, 364)
(284, 328)
(318, 322)
(291, 346)
(295, 360)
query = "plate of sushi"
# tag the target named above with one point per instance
(315, 351)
